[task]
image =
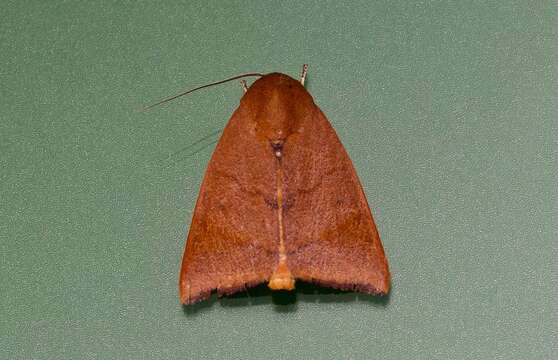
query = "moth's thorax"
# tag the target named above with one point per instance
(278, 104)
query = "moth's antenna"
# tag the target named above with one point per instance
(201, 87)
(303, 74)
(244, 85)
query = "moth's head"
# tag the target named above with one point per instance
(277, 104)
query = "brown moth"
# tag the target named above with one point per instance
(281, 202)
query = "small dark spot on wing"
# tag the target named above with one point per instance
(272, 203)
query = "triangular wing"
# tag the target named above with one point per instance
(330, 235)
(231, 243)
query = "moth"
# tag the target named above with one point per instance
(280, 202)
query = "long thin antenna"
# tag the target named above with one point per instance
(201, 87)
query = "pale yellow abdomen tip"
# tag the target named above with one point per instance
(282, 279)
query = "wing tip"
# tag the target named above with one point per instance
(189, 296)
(378, 288)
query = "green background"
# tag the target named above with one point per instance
(449, 111)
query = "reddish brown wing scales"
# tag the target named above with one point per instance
(232, 239)
(331, 238)
(281, 202)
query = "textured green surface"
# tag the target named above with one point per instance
(449, 111)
